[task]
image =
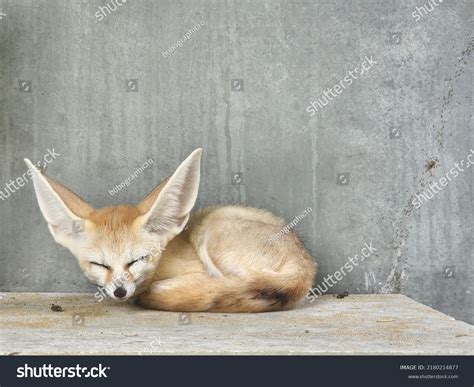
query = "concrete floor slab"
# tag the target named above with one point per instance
(52, 323)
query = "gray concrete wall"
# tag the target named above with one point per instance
(240, 87)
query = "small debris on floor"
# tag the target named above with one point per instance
(430, 164)
(386, 320)
(342, 295)
(56, 308)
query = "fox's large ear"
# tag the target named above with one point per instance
(65, 212)
(166, 209)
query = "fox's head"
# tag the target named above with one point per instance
(118, 248)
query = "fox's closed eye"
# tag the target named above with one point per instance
(99, 264)
(143, 257)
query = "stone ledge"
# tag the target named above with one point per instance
(355, 325)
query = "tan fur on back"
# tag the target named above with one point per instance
(252, 275)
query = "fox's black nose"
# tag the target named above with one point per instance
(120, 292)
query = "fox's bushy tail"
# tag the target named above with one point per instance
(265, 292)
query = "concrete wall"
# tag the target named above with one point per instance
(240, 87)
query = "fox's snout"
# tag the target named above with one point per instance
(120, 293)
(120, 287)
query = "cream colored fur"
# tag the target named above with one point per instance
(219, 259)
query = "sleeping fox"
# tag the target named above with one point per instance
(218, 259)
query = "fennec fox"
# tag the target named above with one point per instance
(219, 259)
